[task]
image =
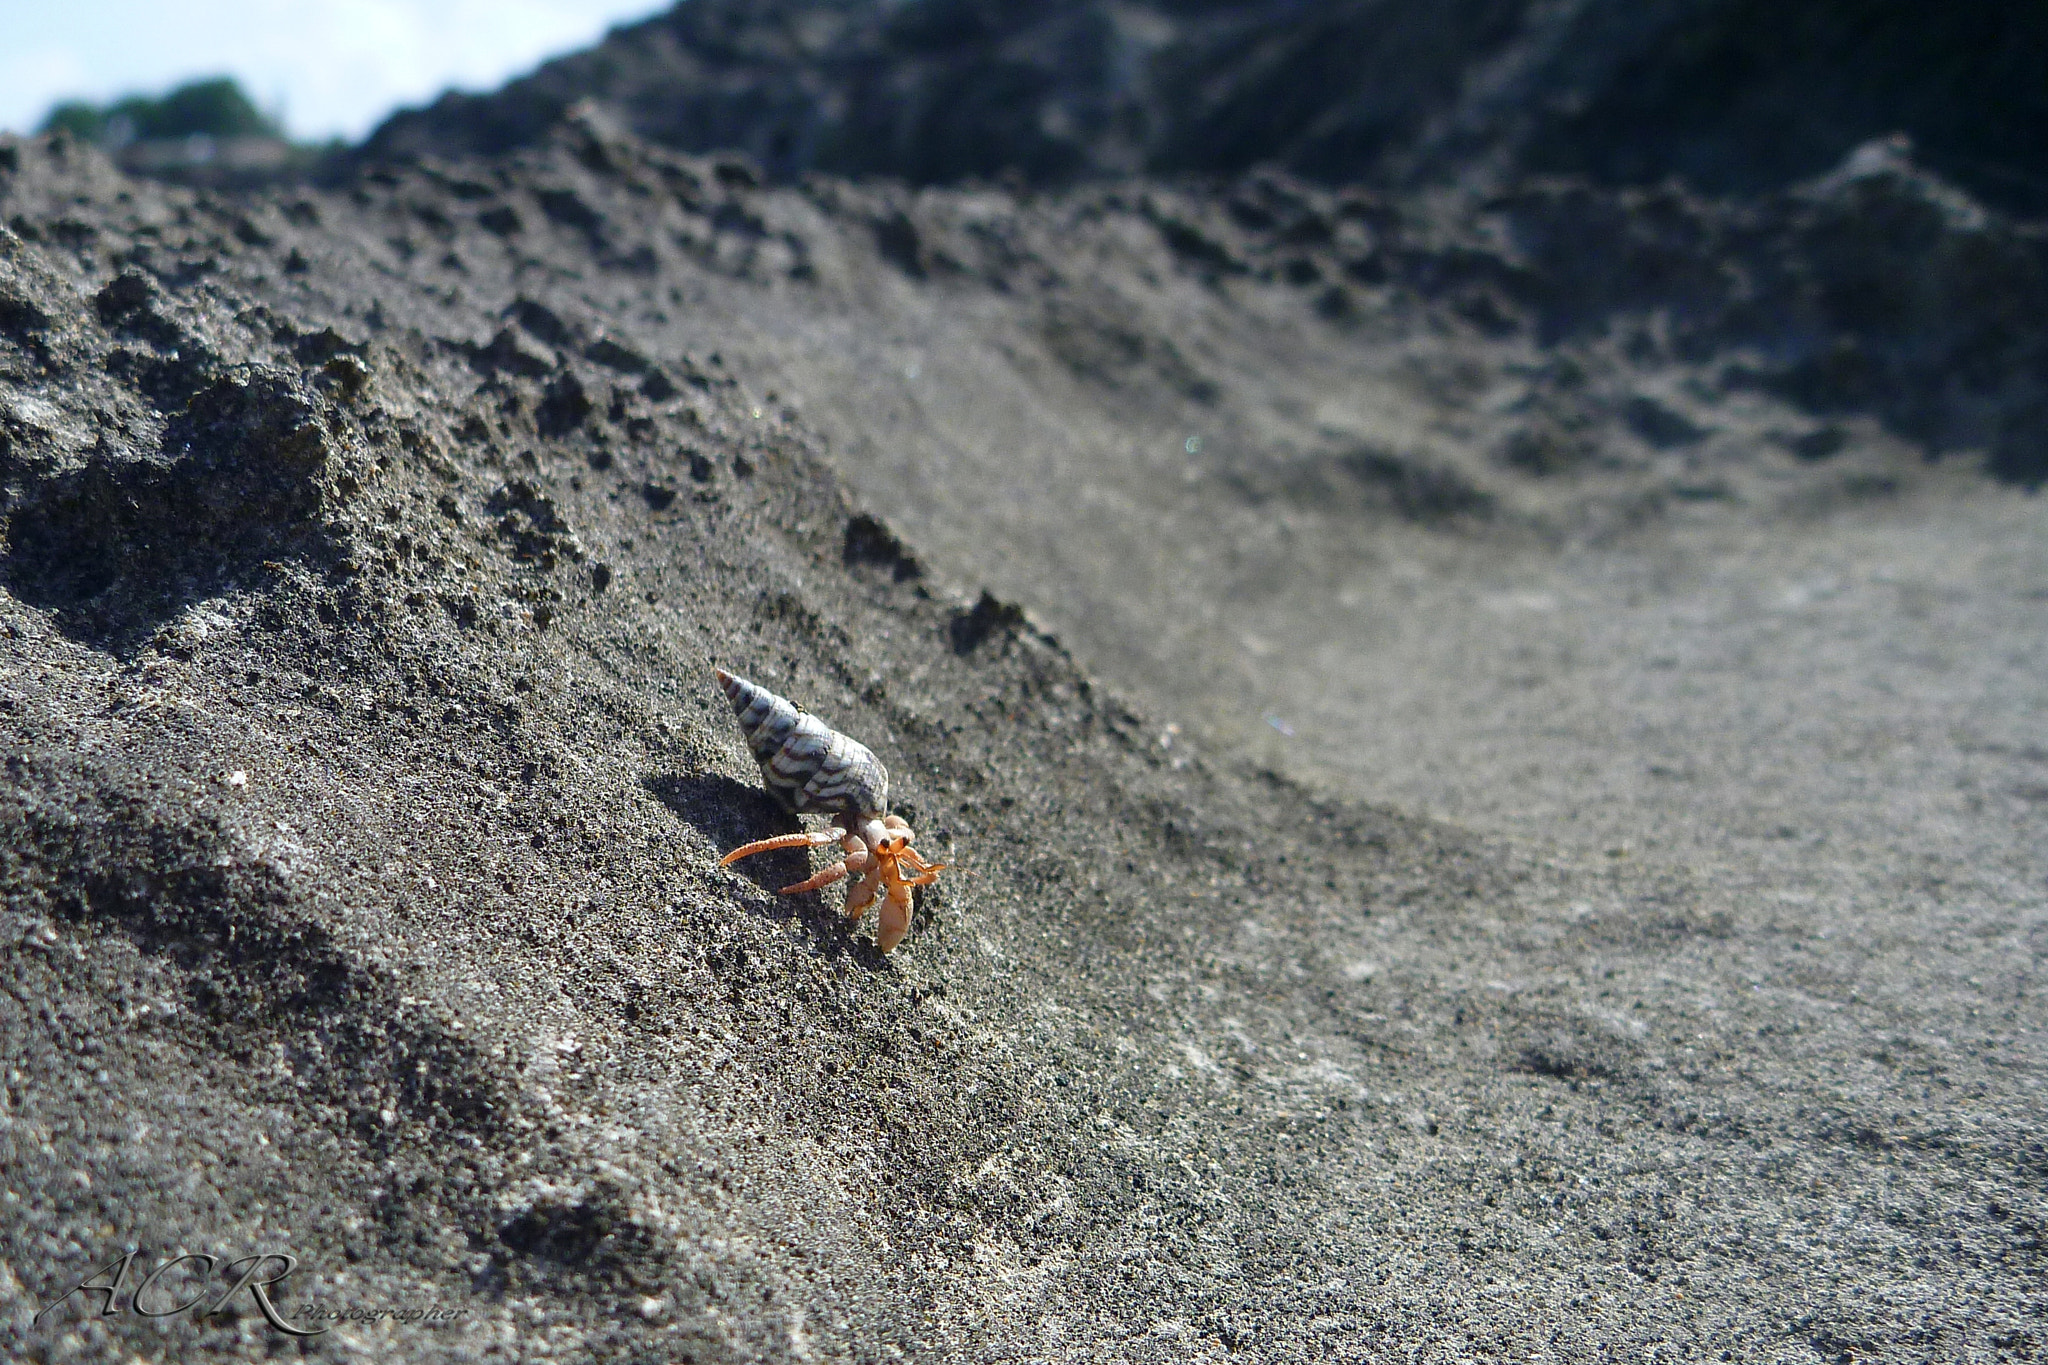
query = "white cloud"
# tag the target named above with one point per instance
(333, 67)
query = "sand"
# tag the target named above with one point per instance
(1467, 841)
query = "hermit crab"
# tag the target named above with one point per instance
(808, 766)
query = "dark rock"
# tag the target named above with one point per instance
(125, 298)
(568, 209)
(507, 354)
(613, 354)
(503, 220)
(1547, 448)
(1731, 95)
(1570, 1049)
(1821, 443)
(896, 238)
(318, 348)
(243, 475)
(988, 618)
(564, 405)
(532, 526)
(541, 321)
(869, 542)
(1660, 425)
(1354, 482)
(21, 317)
(589, 1233)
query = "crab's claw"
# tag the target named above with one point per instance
(895, 917)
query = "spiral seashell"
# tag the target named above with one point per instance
(805, 763)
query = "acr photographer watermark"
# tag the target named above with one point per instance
(157, 1293)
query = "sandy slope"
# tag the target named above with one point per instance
(1629, 950)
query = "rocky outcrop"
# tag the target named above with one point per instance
(1731, 96)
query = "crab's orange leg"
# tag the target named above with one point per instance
(825, 878)
(862, 893)
(808, 839)
(917, 863)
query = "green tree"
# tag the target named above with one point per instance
(212, 108)
(86, 122)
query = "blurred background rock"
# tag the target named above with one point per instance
(1732, 96)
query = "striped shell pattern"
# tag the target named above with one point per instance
(805, 763)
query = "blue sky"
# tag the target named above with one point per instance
(330, 67)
